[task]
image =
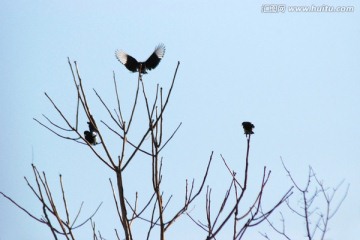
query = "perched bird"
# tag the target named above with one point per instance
(134, 66)
(90, 137)
(248, 128)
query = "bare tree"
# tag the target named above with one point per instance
(240, 221)
(57, 224)
(152, 211)
(315, 206)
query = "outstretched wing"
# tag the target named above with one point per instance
(129, 62)
(155, 57)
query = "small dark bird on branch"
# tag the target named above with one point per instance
(90, 137)
(134, 66)
(248, 128)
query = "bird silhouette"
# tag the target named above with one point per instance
(90, 137)
(248, 128)
(134, 66)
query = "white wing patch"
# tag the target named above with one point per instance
(121, 56)
(160, 50)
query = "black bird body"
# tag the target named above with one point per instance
(90, 137)
(134, 66)
(248, 128)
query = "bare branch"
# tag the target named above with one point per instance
(22, 208)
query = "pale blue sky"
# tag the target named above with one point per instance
(294, 75)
